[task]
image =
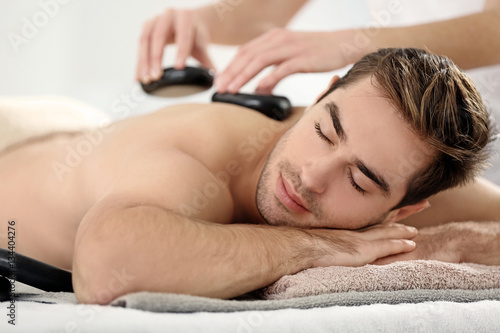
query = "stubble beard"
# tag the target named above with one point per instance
(270, 207)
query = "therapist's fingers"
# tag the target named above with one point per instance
(179, 26)
(159, 39)
(184, 37)
(243, 56)
(142, 71)
(200, 49)
(259, 62)
(305, 52)
(292, 66)
(255, 51)
(192, 38)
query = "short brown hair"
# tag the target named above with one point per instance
(441, 105)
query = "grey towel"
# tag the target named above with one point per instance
(159, 302)
(163, 302)
(401, 282)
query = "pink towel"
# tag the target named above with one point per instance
(416, 274)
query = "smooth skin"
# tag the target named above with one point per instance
(470, 41)
(167, 201)
(193, 30)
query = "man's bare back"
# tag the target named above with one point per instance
(135, 183)
(48, 197)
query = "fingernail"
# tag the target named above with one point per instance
(153, 75)
(261, 90)
(145, 76)
(410, 242)
(264, 84)
(219, 85)
(179, 64)
(233, 87)
(156, 73)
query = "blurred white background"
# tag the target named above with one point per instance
(86, 49)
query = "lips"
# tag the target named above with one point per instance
(288, 197)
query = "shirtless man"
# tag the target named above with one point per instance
(153, 207)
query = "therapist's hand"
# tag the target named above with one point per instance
(291, 52)
(182, 27)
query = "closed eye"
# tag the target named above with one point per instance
(354, 184)
(349, 175)
(321, 134)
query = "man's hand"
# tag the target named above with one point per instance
(361, 247)
(291, 52)
(183, 27)
(475, 242)
(164, 252)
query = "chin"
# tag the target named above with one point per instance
(268, 206)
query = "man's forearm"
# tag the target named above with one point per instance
(164, 252)
(478, 242)
(159, 251)
(456, 242)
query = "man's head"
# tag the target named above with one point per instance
(400, 126)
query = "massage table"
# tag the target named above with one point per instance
(87, 51)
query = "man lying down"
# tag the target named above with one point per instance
(218, 200)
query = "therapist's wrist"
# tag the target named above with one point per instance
(220, 24)
(353, 44)
(356, 43)
(206, 15)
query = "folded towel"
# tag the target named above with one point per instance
(324, 287)
(25, 117)
(402, 275)
(164, 302)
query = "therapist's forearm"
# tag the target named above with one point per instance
(236, 22)
(470, 41)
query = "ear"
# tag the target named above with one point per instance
(332, 82)
(404, 212)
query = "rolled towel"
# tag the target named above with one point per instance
(401, 275)
(26, 117)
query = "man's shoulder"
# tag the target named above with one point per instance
(224, 114)
(216, 126)
(215, 114)
(186, 151)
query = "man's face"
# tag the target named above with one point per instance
(344, 164)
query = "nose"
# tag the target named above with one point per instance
(316, 174)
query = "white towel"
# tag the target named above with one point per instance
(25, 117)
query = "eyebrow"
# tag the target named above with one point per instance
(333, 110)
(382, 184)
(375, 177)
